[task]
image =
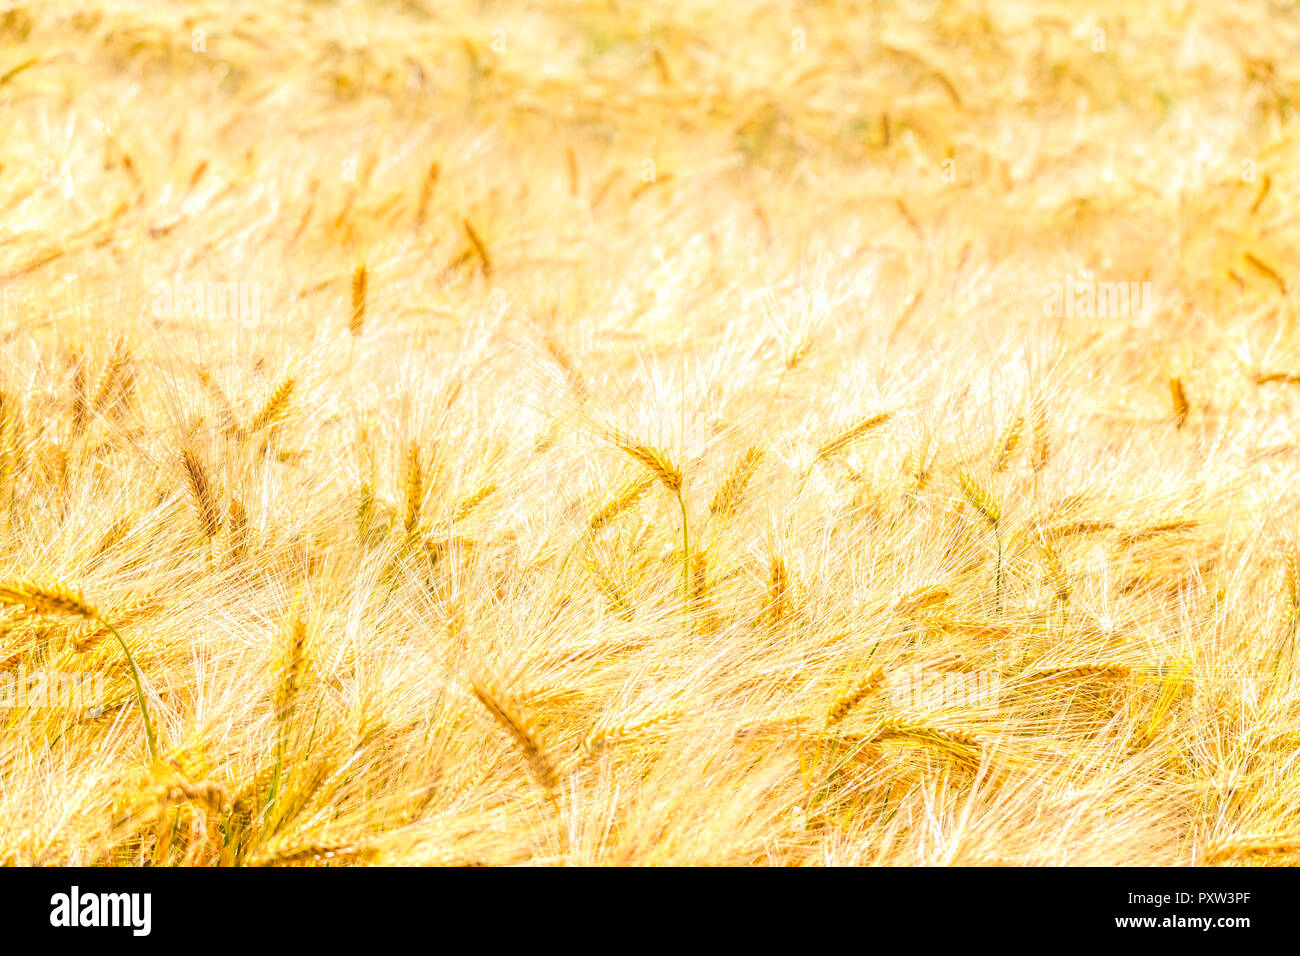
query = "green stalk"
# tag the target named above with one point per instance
(139, 690)
(999, 572)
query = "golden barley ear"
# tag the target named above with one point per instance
(706, 618)
(1266, 378)
(850, 435)
(619, 602)
(205, 498)
(919, 465)
(310, 853)
(1073, 528)
(414, 487)
(699, 577)
(358, 320)
(658, 463)
(800, 352)
(572, 160)
(115, 385)
(80, 396)
(959, 744)
(623, 499)
(226, 413)
(237, 530)
(206, 793)
(778, 590)
(431, 178)
(661, 64)
(275, 406)
(602, 737)
(46, 599)
(526, 739)
(1155, 529)
(1179, 396)
(1008, 445)
(1042, 439)
(1253, 844)
(57, 599)
(365, 507)
(1055, 570)
(980, 498)
(473, 501)
(565, 361)
(922, 598)
(480, 248)
(290, 667)
(731, 493)
(858, 693)
(1099, 669)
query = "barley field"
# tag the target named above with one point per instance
(606, 433)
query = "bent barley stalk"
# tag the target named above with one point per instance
(56, 599)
